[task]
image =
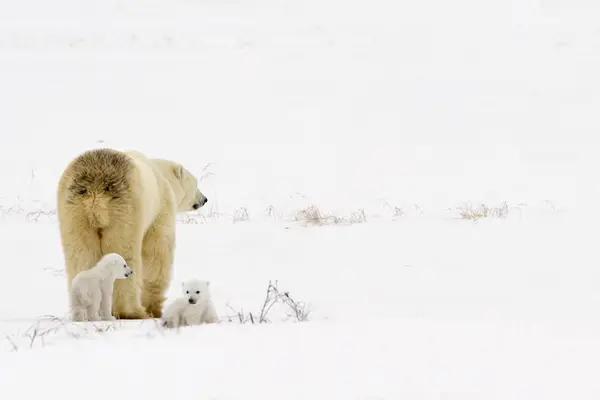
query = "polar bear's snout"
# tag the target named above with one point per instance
(200, 200)
(200, 203)
(192, 301)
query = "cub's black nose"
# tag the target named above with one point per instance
(192, 301)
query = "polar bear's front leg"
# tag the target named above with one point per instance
(92, 314)
(126, 240)
(107, 287)
(158, 252)
(210, 314)
(79, 313)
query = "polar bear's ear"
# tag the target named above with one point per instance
(178, 171)
(207, 283)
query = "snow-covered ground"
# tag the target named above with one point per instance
(389, 117)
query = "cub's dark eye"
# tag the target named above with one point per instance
(81, 192)
(187, 292)
(197, 292)
(124, 265)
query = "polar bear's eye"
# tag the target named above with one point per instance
(197, 292)
(187, 292)
(124, 265)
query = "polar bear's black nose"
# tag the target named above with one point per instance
(192, 301)
(200, 203)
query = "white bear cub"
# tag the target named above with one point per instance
(92, 290)
(193, 308)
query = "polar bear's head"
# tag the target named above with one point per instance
(195, 290)
(115, 265)
(185, 187)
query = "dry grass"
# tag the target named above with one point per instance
(202, 216)
(397, 211)
(55, 271)
(29, 215)
(204, 172)
(187, 218)
(313, 215)
(296, 310)
(467, 211)
(51, 325)
(12, 343)
(241, 214)
(272, 212)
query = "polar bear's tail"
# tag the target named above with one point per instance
(100, 178)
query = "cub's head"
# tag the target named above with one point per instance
(116, 265)
(195, 290)
(185, 187)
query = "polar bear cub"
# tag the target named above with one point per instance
(92, 290)
(193, 308)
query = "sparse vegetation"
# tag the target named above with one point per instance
(241, 214)
(296, 310)
(271, 212)
(313, 215)
(29, 215)
(51, 325)
(203, 215)
(55, 271)
(310, 215)
(397, 211)
(204, 172)
(469, 212)
(189, 218)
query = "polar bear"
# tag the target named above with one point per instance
(92, 290)
(111, 201)
(193, 308)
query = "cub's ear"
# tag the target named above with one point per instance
(178, 170)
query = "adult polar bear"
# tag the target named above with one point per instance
(122, 202)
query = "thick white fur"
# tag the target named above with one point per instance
(150, 191)
(193, 308)
(92, 290)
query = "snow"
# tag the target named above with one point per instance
(388, 116)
